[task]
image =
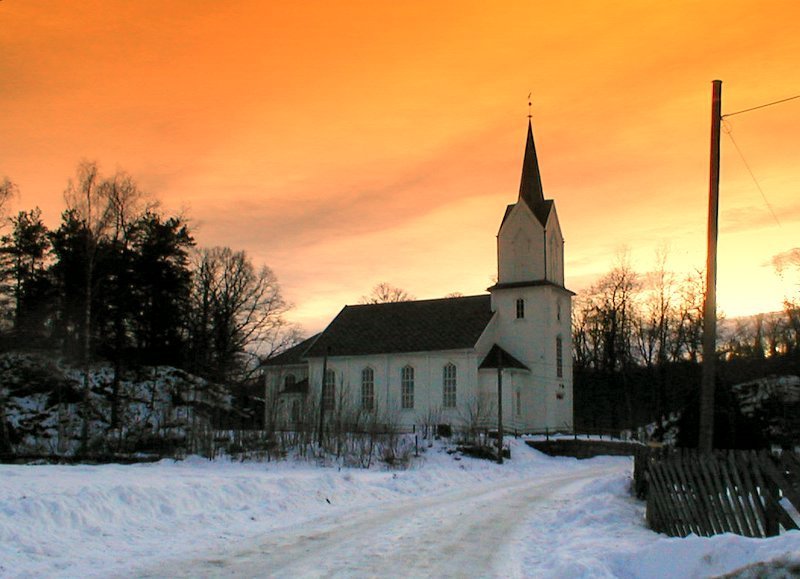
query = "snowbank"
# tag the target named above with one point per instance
(68, 521)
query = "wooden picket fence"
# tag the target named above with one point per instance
(749, 493)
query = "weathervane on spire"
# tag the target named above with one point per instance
(529, 105)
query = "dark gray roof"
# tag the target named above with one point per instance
(498, 356)
(419, 326)
(530, 185)
(541, 211)
(532, 283)
(294, 355)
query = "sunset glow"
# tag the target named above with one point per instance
(348, 143)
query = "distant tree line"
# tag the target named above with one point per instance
(120, 281)
(638, 349)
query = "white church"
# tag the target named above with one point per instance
(443, 358)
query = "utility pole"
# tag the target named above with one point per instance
(705, 441)
(322, 397)
(499, 406)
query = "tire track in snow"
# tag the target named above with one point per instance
(473, 531)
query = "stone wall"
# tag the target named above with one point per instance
(584, 448)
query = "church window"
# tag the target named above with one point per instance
(559, 358)
(367, 389)
(295, 411)
(289, 381)
(520, 308)
(519, 403)
(449, 386)
(329, 390)
(558, 311)
(407, 388)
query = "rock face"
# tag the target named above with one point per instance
(142, 409)
(774, 403)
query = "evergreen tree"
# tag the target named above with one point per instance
(160, 263)
(24, 252)
(68, 274)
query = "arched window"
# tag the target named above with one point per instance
(519, 403)
(520, 308)
(329, 390)
(449, 386)
(289, 381)
(367, 389)
(407, 388)
(559, 358)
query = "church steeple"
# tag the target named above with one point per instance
(530, 186)
(529, 243)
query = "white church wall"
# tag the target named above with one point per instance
(532, 340)
(555, 250)
(387, 375)
(278, 407)
(517, 411)
(520, 237)
(274, 376)
(488, 337)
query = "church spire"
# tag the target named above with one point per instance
(530, 187)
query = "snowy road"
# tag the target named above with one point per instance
(472, 532)
(445, 516)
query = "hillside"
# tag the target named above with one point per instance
(141, 409)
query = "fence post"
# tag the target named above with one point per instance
(771, 498)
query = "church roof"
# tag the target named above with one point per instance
(294, 355)
(498, 356)
(418, 326)
(530, 283)
(530, 186)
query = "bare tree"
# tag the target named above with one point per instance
(687, 342)
(8, 189)
(475, 414)
(235, 309)
(787, 266)
(654, 325)
(386, 293)
(105, 208)
(86, 199)
(609, 311)
(126, 203)
(655, 314)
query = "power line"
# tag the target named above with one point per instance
(762, 106)
(729, 132)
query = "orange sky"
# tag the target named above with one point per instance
(346, 143)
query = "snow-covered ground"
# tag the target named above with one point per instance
(534, 516)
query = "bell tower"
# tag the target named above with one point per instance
(530, 246)
(532, 307)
